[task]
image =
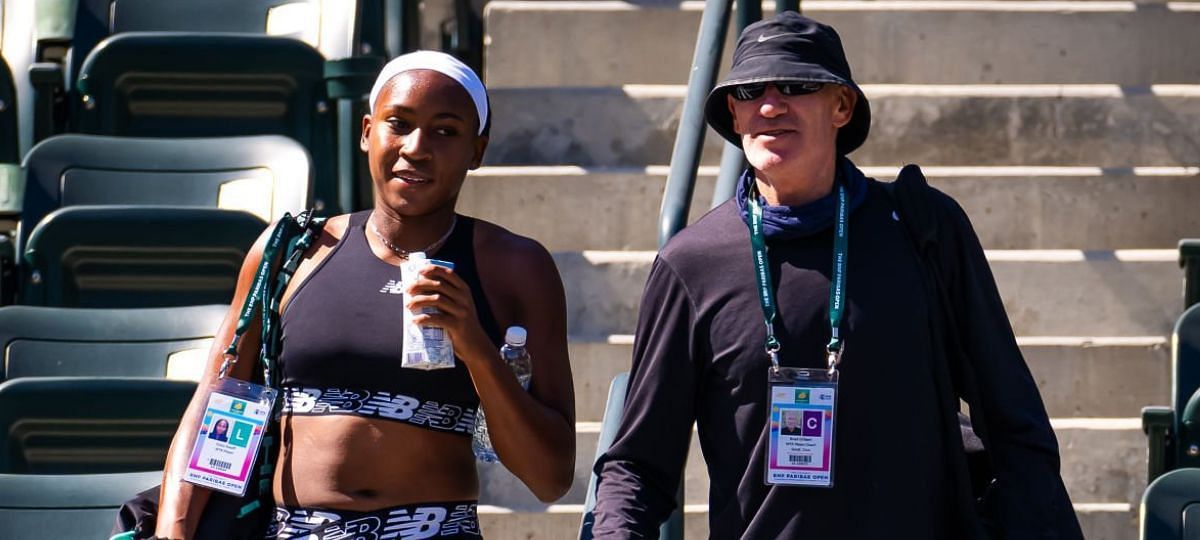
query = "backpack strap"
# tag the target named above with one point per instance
(292, 238)
(913, 198)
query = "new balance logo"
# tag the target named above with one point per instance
(393, 287)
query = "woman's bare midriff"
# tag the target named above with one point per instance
(348, 462)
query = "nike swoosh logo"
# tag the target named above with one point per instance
(762, 37)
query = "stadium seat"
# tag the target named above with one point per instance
(152, 342)
(173, 84)
(75, 506)
(334, 28)
(265, 175)
(1171, 507)
(1174, 432)
(10, 156)
(614, 410)
(1189, 260)
(136, 256)
(69, 425)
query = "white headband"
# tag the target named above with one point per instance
(442, 63)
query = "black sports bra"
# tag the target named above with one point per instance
(342, 339)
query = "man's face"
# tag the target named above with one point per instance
(782, 133)
(792, 421)
(420, 142)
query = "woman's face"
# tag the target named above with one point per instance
(420, 141)
(221, 427)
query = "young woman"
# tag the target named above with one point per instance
(363, 440)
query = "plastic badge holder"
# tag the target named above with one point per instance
(802, 418)
(235, 419)
(425, 347)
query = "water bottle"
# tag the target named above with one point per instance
(514, 354)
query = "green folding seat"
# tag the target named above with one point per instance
(614, 411)
(1174, 432)
(67, 506)
(216, 68)
(136, 256)
(70, 425)
(174, 84)
(1189, 260)
(153, 342)
(338, 30)
(266, 175)
(10, 156)
(1171, 507)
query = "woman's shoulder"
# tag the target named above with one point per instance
(515, 255)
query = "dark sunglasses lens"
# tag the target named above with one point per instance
(798, 89)
(747, 92)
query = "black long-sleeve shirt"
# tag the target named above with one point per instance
(698, 356)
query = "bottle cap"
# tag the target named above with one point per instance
(515, 336)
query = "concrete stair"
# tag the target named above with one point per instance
(1099, 522)
(906, 42)
(1078, 377)
(1046, 292)
(1094, 208)
(1099, 125)
(1067, 130)
(1103, 459)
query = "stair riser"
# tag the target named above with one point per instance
(607, 47)
(619, 210)
(1098, 297)
(609, 127)
(1079, 381)
(1098, 466)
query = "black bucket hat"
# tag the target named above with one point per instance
(789, 47)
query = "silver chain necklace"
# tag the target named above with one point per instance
(403, 253)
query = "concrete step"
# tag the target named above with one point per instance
(604, 43)
(1078, 377)
(1087, 208)
(1046, 293)
(1099, 522)
(1103, 461)
(1063, 125)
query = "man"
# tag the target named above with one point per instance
(791, 423)
(880, 454)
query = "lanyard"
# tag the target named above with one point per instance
(257, 294)
(837, 287)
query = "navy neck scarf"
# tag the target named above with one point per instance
(789, 222)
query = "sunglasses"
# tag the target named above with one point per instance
(747, 92)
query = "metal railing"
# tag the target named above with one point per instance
(689, 144)
(689, 139)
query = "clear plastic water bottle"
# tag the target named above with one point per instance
(514, 354)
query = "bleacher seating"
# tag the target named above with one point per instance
(136, 256)
(1171, 507)
(70, 425)
(1174, 431)
(266, 175)
(77, 506)
(153, 342)
(173, 84)
(9, 151)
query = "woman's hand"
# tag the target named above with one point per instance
(440, 288)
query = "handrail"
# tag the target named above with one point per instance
(689, 139)
(733, 160)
